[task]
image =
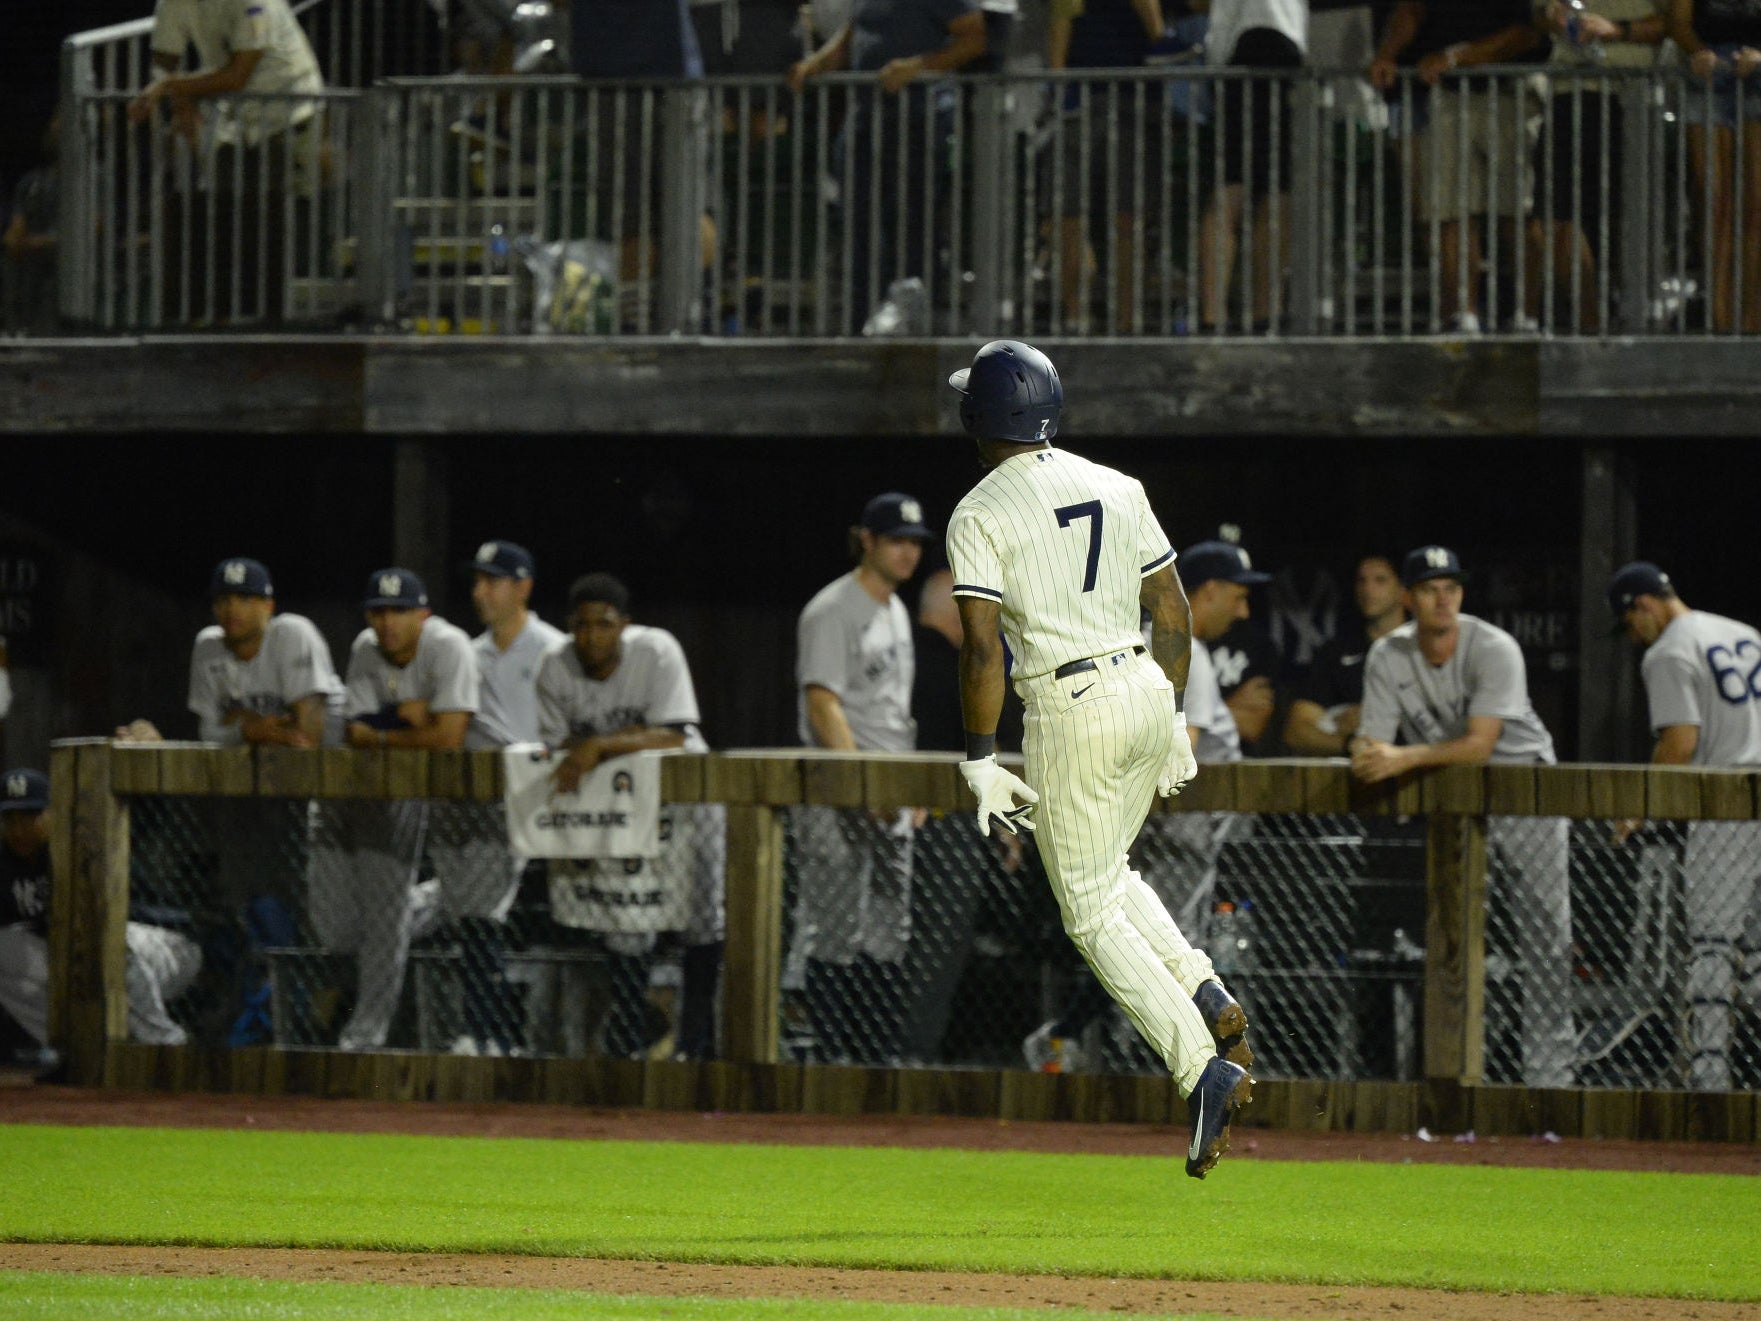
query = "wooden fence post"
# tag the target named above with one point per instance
(752, 969)
(88, 910)
(1455, 947)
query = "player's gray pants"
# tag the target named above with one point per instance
(361, 901)
(1095, 747)
(1721, 875)
(468, 843)
(1532, 856)
(161, 965)
(855, 885)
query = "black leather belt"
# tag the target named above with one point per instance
(1069, 668)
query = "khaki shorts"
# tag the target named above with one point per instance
(1482, 166)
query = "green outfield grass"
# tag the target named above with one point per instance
(27, 1296)
(1462, 1227)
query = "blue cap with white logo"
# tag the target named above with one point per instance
(1218, 559)
(24, 790)
(502, 559)
(895, 514)
(397, 588)
(1429, 562)
(240, 577)
(1631, 581)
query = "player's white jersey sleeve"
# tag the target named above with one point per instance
(172, 29)
(672, 700)
(451, 681)
(207, 700)
(1501, 679)
(1379, 717)
(972, 556)
(1153, 548)
(363, 693)
(554, 690)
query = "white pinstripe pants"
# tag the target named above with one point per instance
(1094, 745)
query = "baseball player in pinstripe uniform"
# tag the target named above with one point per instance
(1703, 681)
(411, 683)
(1455, 690)
(1058, 555)
(468, 841)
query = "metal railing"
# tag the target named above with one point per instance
(1194, 201)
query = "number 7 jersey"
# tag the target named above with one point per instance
(1705, 670)
(1062, 544)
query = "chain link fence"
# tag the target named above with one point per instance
(1615, 957)
(407, 924)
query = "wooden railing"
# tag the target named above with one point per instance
(94, 782)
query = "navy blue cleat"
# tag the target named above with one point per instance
(1227, 1021)
(1223, 1088)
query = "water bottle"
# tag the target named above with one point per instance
(1222, 937)
(1574, 29)
(495, 249)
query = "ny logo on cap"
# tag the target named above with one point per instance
(910, 511)
(1436, 557)
(390, 584)
(235, 571)
(486, 552)
(17, 786)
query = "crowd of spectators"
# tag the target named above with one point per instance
(1502, 176)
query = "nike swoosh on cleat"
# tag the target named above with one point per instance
(1080, 691)
(1198, 1131)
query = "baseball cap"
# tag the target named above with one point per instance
(398, 588)
(895, 514)
(1218, 559)
(1429, 562)
(24, 790)
(502, 559)
(1631, 581)
(240, 577)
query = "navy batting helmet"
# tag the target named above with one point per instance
(1011, 392)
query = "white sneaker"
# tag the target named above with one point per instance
(1467, 323)
(1521, 323)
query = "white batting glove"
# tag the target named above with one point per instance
(1181, 767)
(996, 790)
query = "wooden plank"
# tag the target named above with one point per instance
(1563, 791)
(287, 772)
(1212, 790)
(1617, 793)
(1510, 790)
(1270, 785)
(351, 773)
(1455, 947)
(1326, 787)
(1610, 1112)
(1455, 789)
(1025, 1095)
(752, 969)
(1384, 798)
(88, 913)
(134, 768)
(406, 773)
(1672, 793)
(928, 780)
(449, 774)
(681, 777)
(486, 775)
(833, 779)
(1727, 795)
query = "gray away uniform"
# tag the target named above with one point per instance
(1530, 857)
(1705, 670)
(365, 858)
(256, 840)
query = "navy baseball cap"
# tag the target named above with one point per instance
(24, 791)
(240, 577)
(398, 588)
(1631, 581)
(1218, 559)
(1429, 562)
(895, 514)
(502, 559)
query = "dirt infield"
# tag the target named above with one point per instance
(58, 1105)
